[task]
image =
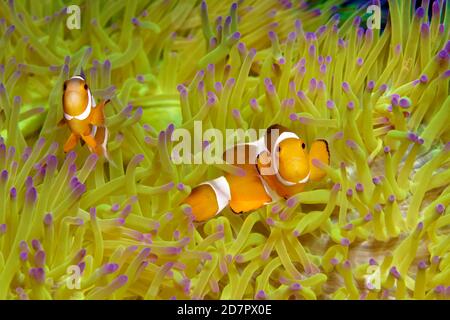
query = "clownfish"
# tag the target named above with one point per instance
(85, 118)
(281, 169)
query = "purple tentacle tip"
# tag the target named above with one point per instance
(359, 187)
(422, 265)
(439, 289)
(412, 137)
(419, 226)
(420, 12)
(436, 259)
(291, 202)
(330, 104)
(31, 195)
(376, 181)
(391, 198)
(440, 208)
(373, 262)
(110, 268)
(13, 193)
(405, 103)
(296, 286)
(93, 212)
(261, 295)
(394, 272)
(351, 105)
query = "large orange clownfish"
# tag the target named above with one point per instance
(85, 118)
(281, 169)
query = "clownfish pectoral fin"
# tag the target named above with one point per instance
(71, 142)
(98, 115)
(90, 141)
(319, 150)
(248, 192)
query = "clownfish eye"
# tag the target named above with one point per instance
(279, 149)
(85, 87)
(303, 145)
(64, 86)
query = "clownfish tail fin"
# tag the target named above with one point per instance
(101, 135)
(209, 198)
(108, 158)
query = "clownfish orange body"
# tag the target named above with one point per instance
(84, 117)
(282, 168)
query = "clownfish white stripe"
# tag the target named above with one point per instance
(255, 148)
(275, 159)
(78, 77)
(105, 141)
(105, 138)
(94, 131)
(272, 194)
(85, 114)
(258, 146)
(222, 190)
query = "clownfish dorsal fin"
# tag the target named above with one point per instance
(98, 113)
(82, 74)
(273, 132)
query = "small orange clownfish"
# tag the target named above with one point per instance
(84, 117)
(281, 169)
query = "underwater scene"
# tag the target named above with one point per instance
(250, 149)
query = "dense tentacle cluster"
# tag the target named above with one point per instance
(376, 228)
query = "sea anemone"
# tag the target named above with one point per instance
(76, 226)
